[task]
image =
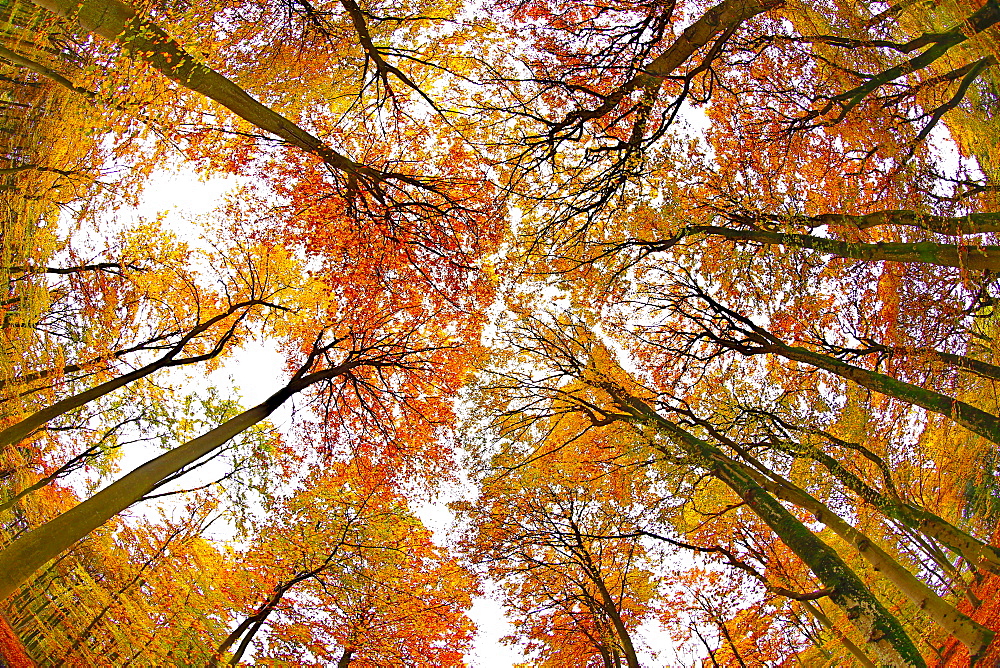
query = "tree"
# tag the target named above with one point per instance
(562, 539)
(364, 364)
(608, 395)
(764, 416)
(355, 578)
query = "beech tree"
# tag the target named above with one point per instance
(345, 544)
(726, 273)
(607, 395)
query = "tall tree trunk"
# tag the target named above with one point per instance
(963, 362)
(759, 341)
(882, 630)
(256, 620)
(970, 633)
(611, 610)
(28, 378)
(975, 420)
(946, 255)
(30, 552)
(973, 550)
(875, 623)
(717, 20)
(120, 23)
(855, 651)
(973, 223)
(21, 430)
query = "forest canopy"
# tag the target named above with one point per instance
(669, 326)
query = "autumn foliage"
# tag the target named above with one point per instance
(670, 325)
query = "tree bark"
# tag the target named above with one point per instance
(120, 23)
(975, 420)
(970, 633)
(608, 604)
(973, 550)
(30, 552)
(985, 258)
(44, 71)
(726, 15)
(27, 378)
(882, 630)
(973, 223)
(759, 342)
(963, 362)
(855, 651)
(21, 430)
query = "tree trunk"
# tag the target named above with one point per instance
(855, 651)
(975, 420)
(974, 223)
(973, 550)
(30, 552)
(946, 255)
(120, 23)
(27, 378)
(874, 622)
(970, 633)
(21, 430)
(609, 607)
(963, 362)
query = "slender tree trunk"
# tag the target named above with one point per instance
(759, 341)
(970, 633)
(975, 420)
(874, 622)
(345, 660)
(946, 255)
(611, 609)
(855, 651)
(880, 628)
(148, 564)
(727, 15)
(111, 267)
(974, 223)
(27, 378)
(61, 471)
(120, 23)
(255, 621)
(30, 552)
(21, 430)
(973, 550)
(259, 622)
(963, 362)
(46, 72)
